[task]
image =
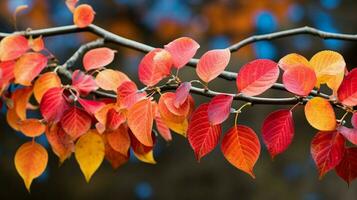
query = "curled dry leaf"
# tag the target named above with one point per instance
(30, 161)
(155, 66)
(89, 152)
(257, 76)
(98, 58)
(182, 50)
(212, 63)
(83, 15)
(320, 114)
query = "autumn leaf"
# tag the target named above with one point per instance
(181, 94)
(162, 128)
(76, 122)
(169, 100)
(32, 127)
(20, 100)
(299, 80)
(28, 67)
(13, 119)
(119, 139)
(7, 72)
(83, 83)
(13, 47)
(45, 82)
(293, 60)
(53, 105)
(329, 67)
(354, 120)
(30, 162)
(219, 108)
(141, 152)
(83, 15)
(327, 149)
(91, 106)
(37, 44)
(71, 4)
(202, 135)
(347, 169)
(182, 50)
(320, 114)
(140, 121)
(61, 143)
(349, 133)
(155, 66)
(278, 131)
(115, 158)
(98, 58)
(89, 153)
(109, 79)
(212, 63)
(347, 93)
(257, 76)
(241, 147)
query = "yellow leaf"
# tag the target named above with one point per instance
(320, 114)
(329, 67)
(146, 157)
(30, 162)
(45, 82)
(179, 128)
(89, 152)
(293, 60)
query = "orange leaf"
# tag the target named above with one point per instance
(21, 98)
(37, 44)
(119, 139)
(28, 67)
(241, 147)
(45, 82)
(12, 47)
(30, 162)
(109, 79)
(115, 158)
(32, 127)
(142, 152)
(83, 15)
(140, 120)
(61, 143)
(98, 58)
(320, 114)
(13, 119)
(293, 60)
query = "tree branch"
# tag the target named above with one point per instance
(113, 38)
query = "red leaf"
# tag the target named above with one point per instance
(347, 92)
(140, 120)
(219, 108)
(91, 106)
(299, 80)
(354, 120)
(53, 105)
(7, 72)
(212, 63)
(241, 147)
(169, 98)
(155, 66)
(182, 93)
(125, 89)
(327, 150)
(114, 119)
(347, 169)
(278, 131)
(83, 15)
(162, 128)
(202, 135)
(119, 139)
(83, 83)
(76, 122)
(182, 50)
(12, 47)
(349, 133)
(28, 67)
(98, 58)
(257, 76)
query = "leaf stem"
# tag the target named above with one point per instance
(239, 111)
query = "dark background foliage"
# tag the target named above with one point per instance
(214, 24)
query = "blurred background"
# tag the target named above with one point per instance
(177, 175)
